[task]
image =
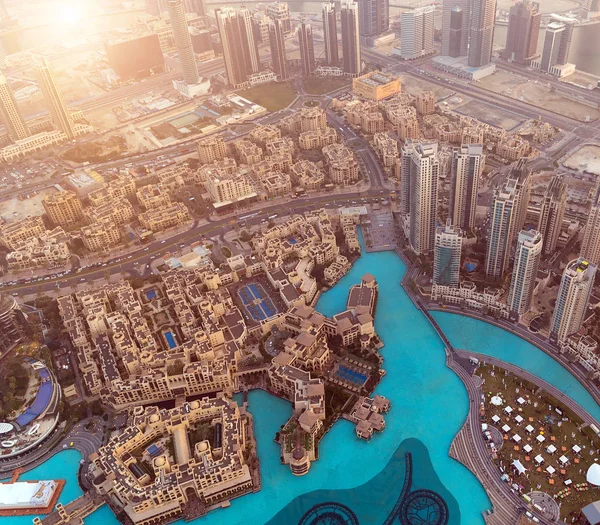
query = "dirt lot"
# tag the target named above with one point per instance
(489, 114)
(537, 94)
(15, 209)
(415, 85)
(586, 158)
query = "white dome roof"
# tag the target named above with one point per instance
(593, 474)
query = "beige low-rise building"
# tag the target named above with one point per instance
(317, 139)
(472, 135)
(119, 188)
(279, 146)
(101, 235)
(211, 149)
(38, 253)
(276, 184)
(404, 122)
(119, 210)
(153, 196)
(63, 208)
(150, 489)
(425, 103)
(513, 149)
(248, 152)
(16, 234)
(263, 134)
(387, 148)
(160, 219)
(225, 187)
(312, 119)
(342, 165)
(376, 85)
(308, 175)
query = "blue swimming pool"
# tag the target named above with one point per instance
(170, 339)
(347, 374)
(429, 403)
(150, 294)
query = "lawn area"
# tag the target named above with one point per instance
(322, 85)
(273, 96)
(541, 433)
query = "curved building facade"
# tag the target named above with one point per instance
(12, 324)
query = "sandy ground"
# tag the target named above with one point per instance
(586, 158)
(414, 86)
(15, 209)
(489, 114)
(537, 94)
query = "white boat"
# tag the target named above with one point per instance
(8, 444)
(33, 430)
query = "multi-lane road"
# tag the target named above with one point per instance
(138, 262)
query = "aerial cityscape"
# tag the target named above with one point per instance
(299, 263)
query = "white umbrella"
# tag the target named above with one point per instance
(496, 400)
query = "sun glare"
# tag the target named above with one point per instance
(69, 14)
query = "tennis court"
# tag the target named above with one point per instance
(256, 301)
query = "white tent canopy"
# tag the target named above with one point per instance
(527, 448)
(550, 469)
(521, 401)
(593, 475)
(496, 400)
(506, 428)
(508, 409)
(495, 419)
(539, 459)
(551, 449)
(516, 438)
(563, 459)
(519, 466)
(576, 449)
(541, 438)
(529, 428)
(519, 419)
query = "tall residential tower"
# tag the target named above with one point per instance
(240, 52)
(277, 43)
(456, 24)
(572, 300)
(307, 48)
(481, 34)
(374, 17)
(523, 31)
(416, 32)
(183, 42)
(527, 260)
(552, 213)
(56, 104)
(330, 41)
(10, 114)
(351, 38)
(590, 247)
(467, 165)
(420, 169)
(446, 255)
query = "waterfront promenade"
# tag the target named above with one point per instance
(468, 446)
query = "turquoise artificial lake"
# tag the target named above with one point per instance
(429, 405)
